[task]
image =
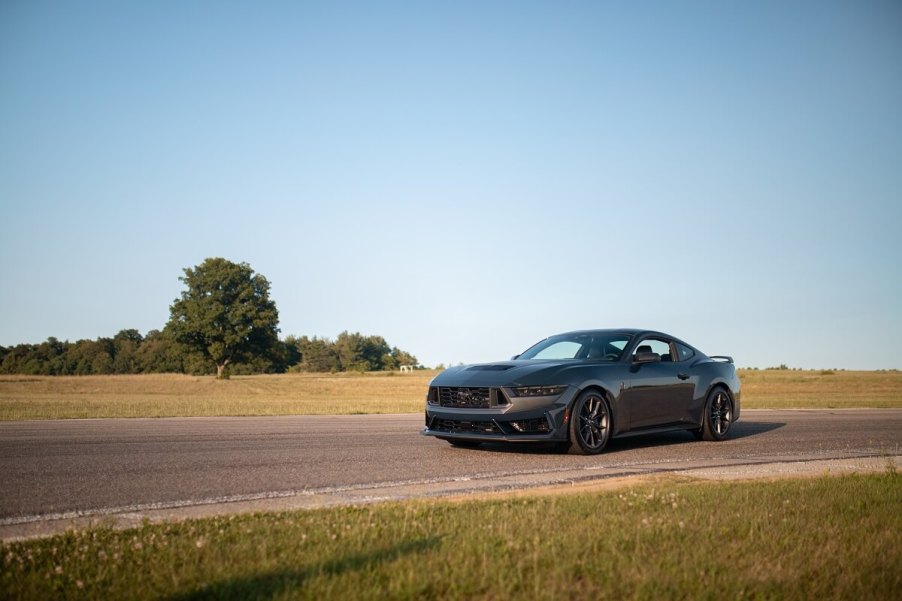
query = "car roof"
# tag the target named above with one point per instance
(631, 332)
(628, 331)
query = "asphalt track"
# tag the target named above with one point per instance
(57, 471)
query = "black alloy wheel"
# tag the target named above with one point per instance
(718, 415)
(590, 424)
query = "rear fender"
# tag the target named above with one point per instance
(725, 385)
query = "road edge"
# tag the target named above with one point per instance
(487, 486)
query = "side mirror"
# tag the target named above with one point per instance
(646, 358)
(514, 358)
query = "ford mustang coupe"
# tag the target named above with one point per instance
(583, 388)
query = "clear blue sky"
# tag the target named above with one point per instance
(462, 178)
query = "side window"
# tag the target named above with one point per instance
(654, 345)
(683, 351)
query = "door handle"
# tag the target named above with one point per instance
(683, 376)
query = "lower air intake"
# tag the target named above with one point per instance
(530, 426)
(465, 427)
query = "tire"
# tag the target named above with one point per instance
(590, 424)
(718, 417)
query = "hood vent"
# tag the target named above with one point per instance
(490, 367)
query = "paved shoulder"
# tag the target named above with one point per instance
(62, 470)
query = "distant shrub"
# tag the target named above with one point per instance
(827, 372)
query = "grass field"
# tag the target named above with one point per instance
(161, 395)
(823, 538)
(783, 389)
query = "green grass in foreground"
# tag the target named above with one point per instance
(824, 538)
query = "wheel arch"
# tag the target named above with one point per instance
(719, 384)
(597, 387)
(715, 375)
(722, 385)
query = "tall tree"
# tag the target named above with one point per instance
(225, 313)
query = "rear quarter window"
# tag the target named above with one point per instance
(683, 352)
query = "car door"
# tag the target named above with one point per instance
(658, 393)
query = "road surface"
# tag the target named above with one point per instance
(54, 471)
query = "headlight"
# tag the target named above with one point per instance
(539, 390)
(432, 396)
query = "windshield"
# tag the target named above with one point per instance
(598, 346)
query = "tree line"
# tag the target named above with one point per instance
(223, 322)
(128, 352)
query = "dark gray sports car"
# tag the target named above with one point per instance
(583, 388)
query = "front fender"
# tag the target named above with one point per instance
(620, 412)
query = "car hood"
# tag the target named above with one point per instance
(528, 372)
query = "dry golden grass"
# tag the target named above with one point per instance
(784, 389)
(168, 395)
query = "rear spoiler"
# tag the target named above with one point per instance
(722, 358)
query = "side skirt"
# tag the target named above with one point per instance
(657, 430)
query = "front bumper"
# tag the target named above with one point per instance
(525, 419)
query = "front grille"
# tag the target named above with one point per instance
(468, 427)
(465, 398)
